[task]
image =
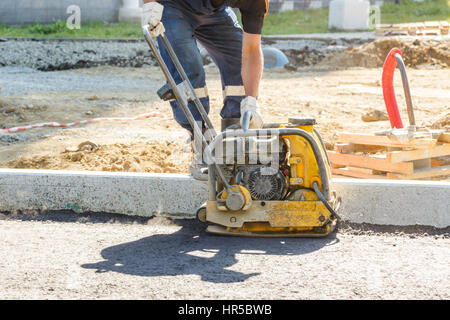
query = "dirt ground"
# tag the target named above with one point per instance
(69, 256)
(338, 99)
(415, 52)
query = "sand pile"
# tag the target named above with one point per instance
(372, 55)
(442, 123)
(157, 157)
(303, 57)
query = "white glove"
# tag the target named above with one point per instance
(152, 15)
(249, 104)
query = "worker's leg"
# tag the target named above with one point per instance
(221, 35)
(179, 23)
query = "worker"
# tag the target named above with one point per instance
(236, 53)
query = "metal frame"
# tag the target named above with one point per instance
(409, 106)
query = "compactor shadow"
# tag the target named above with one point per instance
(191, 251)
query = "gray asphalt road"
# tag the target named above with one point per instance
(65, 256)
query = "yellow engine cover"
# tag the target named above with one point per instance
(304, 167)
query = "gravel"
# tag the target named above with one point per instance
(50, 55)
(63, 54)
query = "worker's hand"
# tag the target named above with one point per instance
(151, 15)
(251, 105)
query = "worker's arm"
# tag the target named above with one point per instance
(253, 14)
(252, 68)
(252, 63)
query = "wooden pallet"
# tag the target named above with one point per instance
(391, 157)
(419, 29)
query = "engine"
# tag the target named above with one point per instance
(264, 183)
(257, 163)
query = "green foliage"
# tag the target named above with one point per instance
(299, 21)
(45, 29)
(411, 11)
(316, 20)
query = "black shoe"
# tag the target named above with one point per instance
(230, 123)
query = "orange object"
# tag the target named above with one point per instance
(388, 89)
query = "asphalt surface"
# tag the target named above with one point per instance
(68, 256)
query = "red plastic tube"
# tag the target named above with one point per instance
(387, 81)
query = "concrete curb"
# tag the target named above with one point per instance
(145, 194)
(141, 194)
(395, 202)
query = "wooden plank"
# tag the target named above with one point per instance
(420, 28)
(359, 138)
(396, 176)
(436, 133)
(419, 25)
(444, 25)
(361, 170)
(421, 174)
(432, 24)
(371, 163)
(413, 28)
(353, 147)
(338, 176)
(398, 33)
(428, 32)
(349, 172)
(439, 162)
(438, 151)
(444, 137)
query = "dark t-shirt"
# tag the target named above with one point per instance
(253, 12)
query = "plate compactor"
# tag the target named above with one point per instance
(269, 182)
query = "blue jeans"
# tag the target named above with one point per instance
(220, 34)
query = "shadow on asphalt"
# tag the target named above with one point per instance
(178, 253)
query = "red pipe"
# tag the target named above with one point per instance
(387, 81)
